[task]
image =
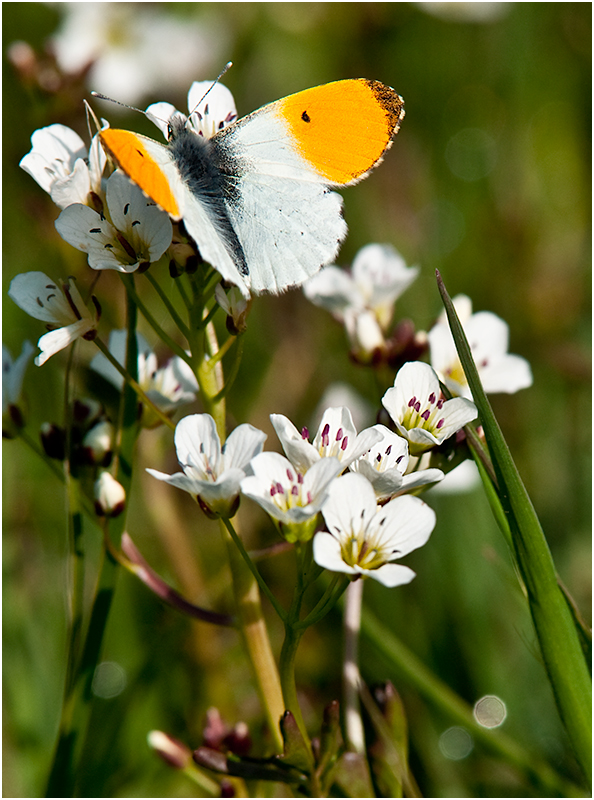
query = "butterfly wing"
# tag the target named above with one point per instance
(153, 167)
(286, 155)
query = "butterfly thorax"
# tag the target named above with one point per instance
(212, 175)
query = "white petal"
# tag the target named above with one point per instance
(318, 477)
(242, 445)
(197, 442)
(385, 483)
(362, 443)
(407, 524)
(327, 554)
(13, 373)
(179, 480)
(73, 189)
(160, 114)
(421, 478)
(54, 341)
(351, 503)
(456, 413)
(389, 574)
(146, 228)
(210, 112)
(41, 298)
(509, 374)
(381, 274)
(54, 151)
(333, 288)
(298, 450)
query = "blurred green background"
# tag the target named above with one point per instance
(489, 181)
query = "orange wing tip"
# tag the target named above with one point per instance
(128, 152)
(343, 129)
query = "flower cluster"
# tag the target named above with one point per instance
(358, 481)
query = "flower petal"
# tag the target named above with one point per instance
(41, 298)
(242, 445)
(54, 341)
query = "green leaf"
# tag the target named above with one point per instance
(553, 620)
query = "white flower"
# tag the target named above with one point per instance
(59, 163)
(488, 337)
(139, 232)
(128, 49)
(169, 387)
(211, 108)
(336, 437)
(364, 299)
(13, 373)
(418, 410)
(363, 538)
(110, 497)
(291, 497)
(385, 464)
(60, 306)
(235, 305)
(211, 473)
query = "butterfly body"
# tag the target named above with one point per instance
(256, 196)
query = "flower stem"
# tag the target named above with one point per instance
(76, 707)
(350, 667)
(249, 609)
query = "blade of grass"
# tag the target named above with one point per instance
(553, 621)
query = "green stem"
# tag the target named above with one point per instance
(253, 626)
(183, 328)
(559, 639)
(261, 582)
(76, 708)
(293, 634)
(134, 385)
(133, 296)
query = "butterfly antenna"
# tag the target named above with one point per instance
(227, 67)
(117, 102)
(91, 116)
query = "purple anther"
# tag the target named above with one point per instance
(440, 423)
(325, 438)
(378, 457)
(299, 478)
(345, 443)
(304, 433)
(294, 490)
(388, 449)
(440, 403)
(417, 406)
(339, 434)
(412, 401)
(432, 398)
(309, 498)
(425, 415)
(290, 475)
(399, 459)
(279, 488)
(272, 490)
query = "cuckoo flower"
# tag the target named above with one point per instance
(362, 538)
(336, 437)
(385, 464)
(292, 498)
(418, 410)
(211, 473)
(138, 233)
(363, 300)
(61, 306)
(488, 337)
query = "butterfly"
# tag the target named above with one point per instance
(257, 196)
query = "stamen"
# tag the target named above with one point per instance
(432, 398)
(440, 423)
(290, 475)
(345, 443)
(412, 401)
(325, 436)
(339, 434)
(304, 433)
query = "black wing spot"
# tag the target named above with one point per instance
(305, 117)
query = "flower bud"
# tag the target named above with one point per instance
(172, 751)
(110, 497)
(53, 440)
(97, 444)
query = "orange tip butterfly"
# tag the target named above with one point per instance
(256, 197)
